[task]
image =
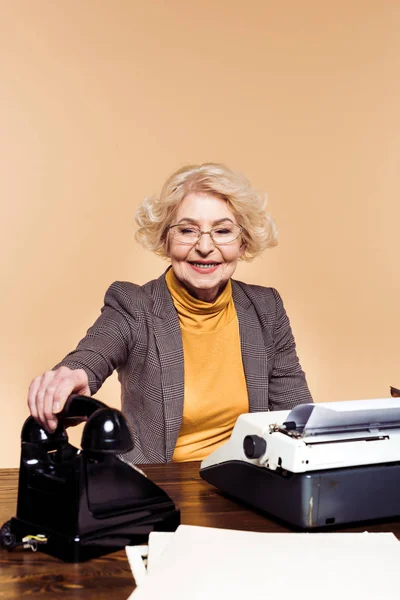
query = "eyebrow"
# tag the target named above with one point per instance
(213, 223)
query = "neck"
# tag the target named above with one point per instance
(205, 295)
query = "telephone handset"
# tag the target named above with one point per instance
(105, 431)
(81, 406)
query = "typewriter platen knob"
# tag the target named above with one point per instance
(254, 446)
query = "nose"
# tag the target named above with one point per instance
(205, 245)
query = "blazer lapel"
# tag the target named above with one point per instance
(170, 350)
(254, 354)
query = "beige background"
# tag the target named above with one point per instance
(101, 100)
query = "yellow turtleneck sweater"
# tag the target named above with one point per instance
(215, 385)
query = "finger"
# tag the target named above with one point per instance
(65, 386)
(47, 377)
(64, 389)
(50, 421)
(57, 393)
(72, 381)
(33, 389)
(52, 398)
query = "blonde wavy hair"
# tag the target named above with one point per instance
(156, 213)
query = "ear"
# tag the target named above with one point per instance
(242, 249)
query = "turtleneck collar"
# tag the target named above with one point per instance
(188, 303)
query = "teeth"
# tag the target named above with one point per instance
(204, 266)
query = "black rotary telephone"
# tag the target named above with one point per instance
(77, 504)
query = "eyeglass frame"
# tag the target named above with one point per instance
(204, 232)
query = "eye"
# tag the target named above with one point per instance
(223, 231)
(187, 230)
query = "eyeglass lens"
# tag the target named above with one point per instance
(223, 234)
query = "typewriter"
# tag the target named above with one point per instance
(315, 466)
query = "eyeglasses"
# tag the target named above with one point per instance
(190, 234)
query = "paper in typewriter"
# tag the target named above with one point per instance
(206, 563)
(325, 417)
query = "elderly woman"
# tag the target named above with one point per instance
(194, 348)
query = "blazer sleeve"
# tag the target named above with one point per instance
(287, 381)
(107, 343)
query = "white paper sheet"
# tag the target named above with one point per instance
(137, 555)
(142, 559)
(205, 564)
(341, 416)
(158, 543)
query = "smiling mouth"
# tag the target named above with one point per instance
(204, 265)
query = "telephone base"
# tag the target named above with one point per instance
(111, 539)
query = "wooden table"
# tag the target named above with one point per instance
(37, 575)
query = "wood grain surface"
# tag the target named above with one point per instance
(35, 575)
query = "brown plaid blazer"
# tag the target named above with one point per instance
(138, 334)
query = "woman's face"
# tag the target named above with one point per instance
(203, 267)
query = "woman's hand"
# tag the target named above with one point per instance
(49, 392)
